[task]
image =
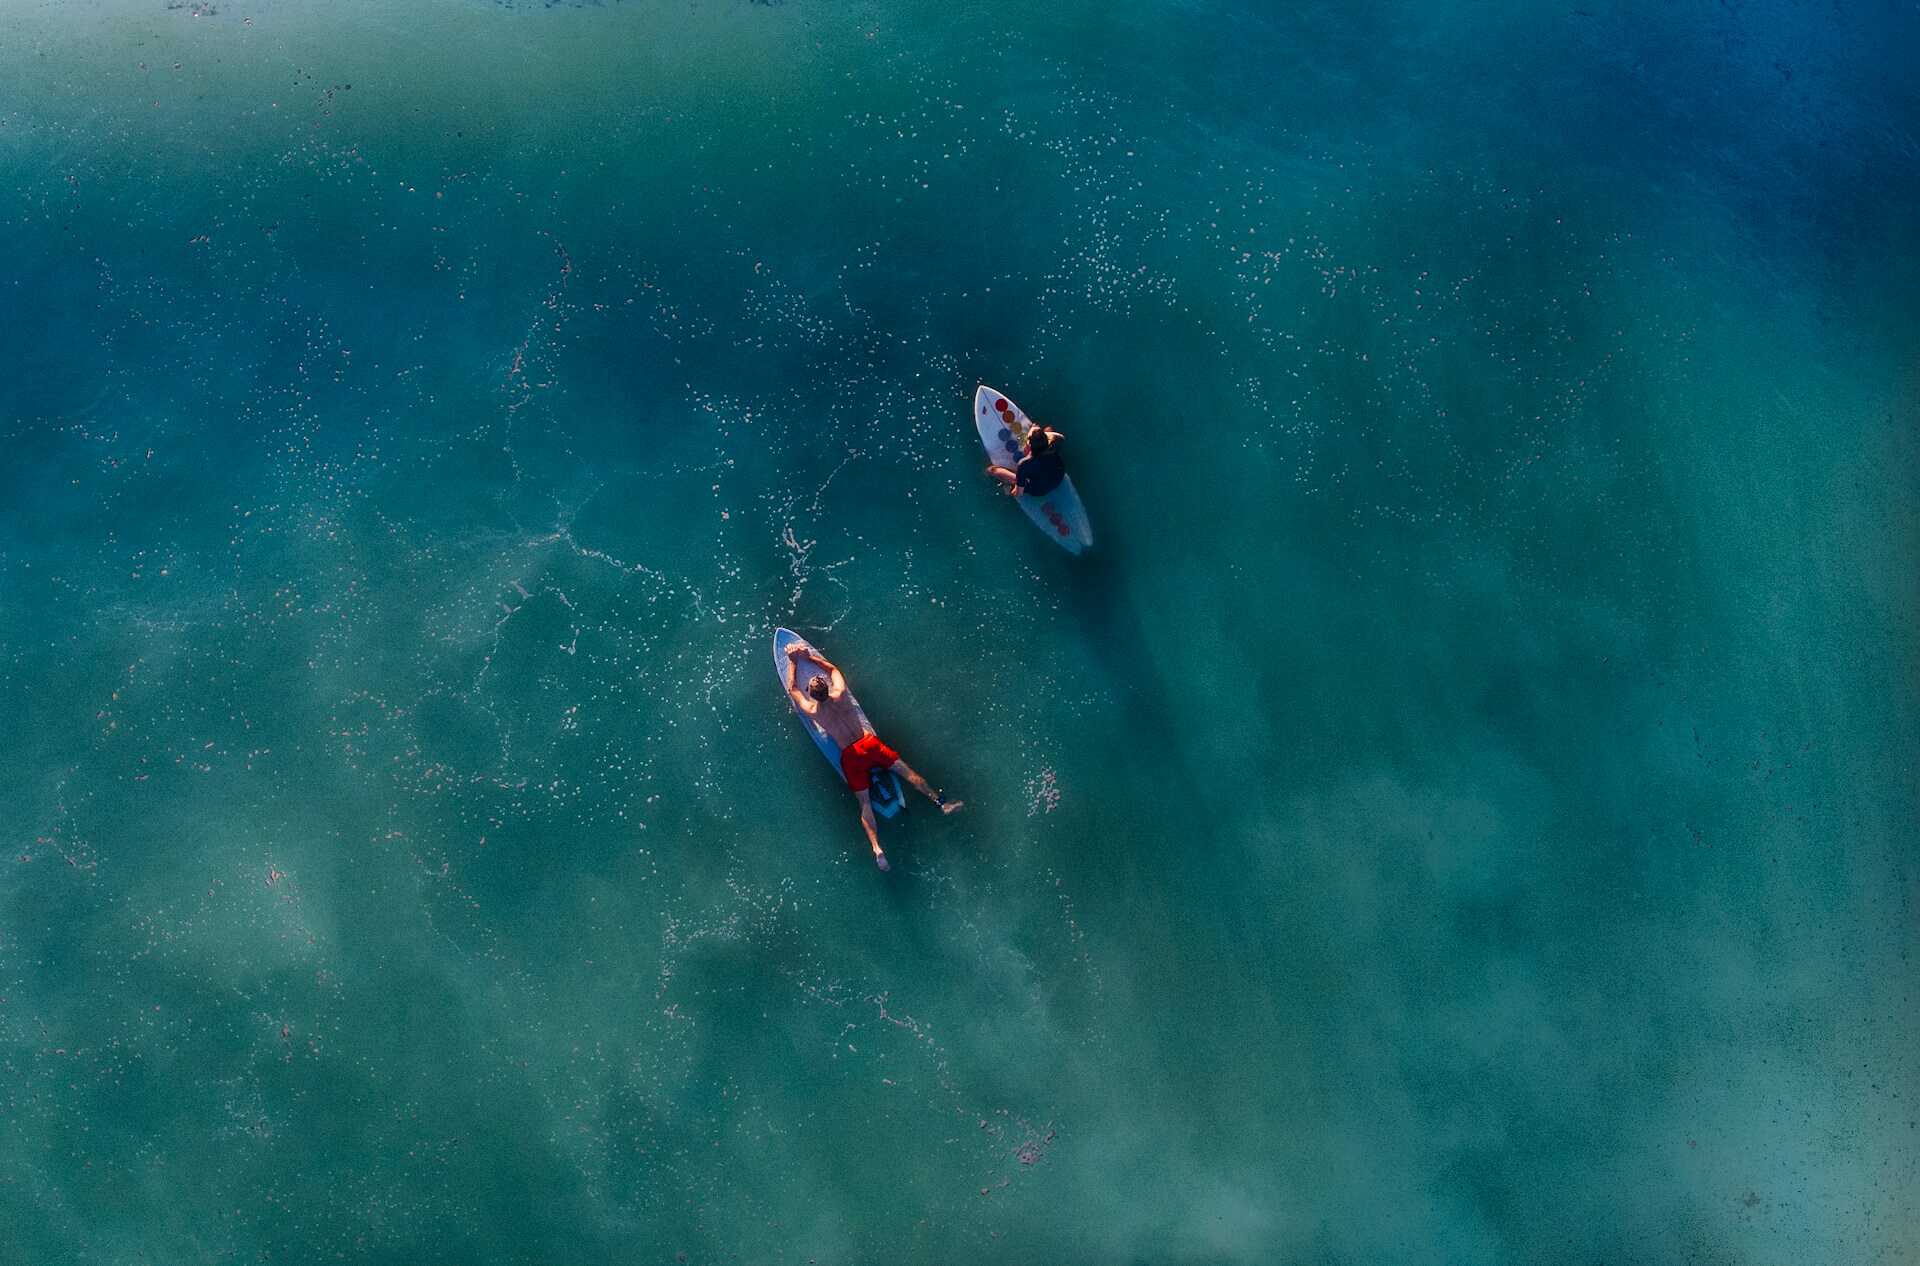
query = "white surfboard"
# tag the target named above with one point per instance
(884, 793)
(1003, 430)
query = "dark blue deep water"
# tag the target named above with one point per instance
(1463, 811)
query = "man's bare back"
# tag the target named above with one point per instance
(842, 721)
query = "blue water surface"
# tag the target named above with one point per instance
(1463, 810)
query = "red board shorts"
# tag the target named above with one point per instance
(864, 755)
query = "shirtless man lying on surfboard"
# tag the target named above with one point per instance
(861, 751)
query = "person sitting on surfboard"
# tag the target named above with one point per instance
(1041, 470)
(861, 751)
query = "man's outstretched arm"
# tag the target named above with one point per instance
(800, 699)
(836, 684)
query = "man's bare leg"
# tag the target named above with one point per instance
(873, 835)
(919, 784)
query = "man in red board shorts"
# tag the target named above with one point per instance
(861, 751)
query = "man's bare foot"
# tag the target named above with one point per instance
(880, 860)
(951, 806)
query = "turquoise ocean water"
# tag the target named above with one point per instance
(1463, 811)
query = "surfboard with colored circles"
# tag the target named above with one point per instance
(1003, 430)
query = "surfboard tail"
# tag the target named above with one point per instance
(885, 793)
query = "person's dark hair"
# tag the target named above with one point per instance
(1038, 441)
(819, 688)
